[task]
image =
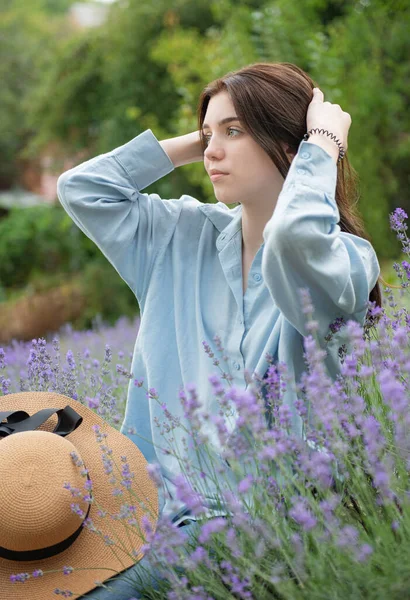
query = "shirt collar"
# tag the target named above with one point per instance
(227, 221)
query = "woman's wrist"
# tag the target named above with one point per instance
(326, 143)
(184, 149)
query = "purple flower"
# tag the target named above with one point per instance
(152, 394)
(5, 386)
(302, 515)
(37, 573)
(245, 484)
(406, 268)
(21, 577)
(217, 387)
(89, 524)
(108, 354)
(274, 380)
(207, 349)
(235, 584)
(166, 540)
(186, 494)
(75, 508)
(318, 467)
(210, 527)
(127, 476)
(222, 429)
(249, 409)
(285, 416)
(191, 406)
(397, 219)
(364, 552)
(307, 306)
(198, 556)
(70, 360)
(349, 366)
(347, 537)
(92, 402)
(154, 471)
(108, 541)
(394, 392)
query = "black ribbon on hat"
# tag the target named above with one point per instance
(18, 421)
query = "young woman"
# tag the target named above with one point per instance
(200, 270)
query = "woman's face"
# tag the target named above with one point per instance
(250, 175)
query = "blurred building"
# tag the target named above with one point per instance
(88, 14)
(39, 176)
(18, 197)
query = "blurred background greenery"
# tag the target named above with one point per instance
(69, 92)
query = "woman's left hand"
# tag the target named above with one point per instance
(325, 115)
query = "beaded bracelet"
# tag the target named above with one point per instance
(342, 151)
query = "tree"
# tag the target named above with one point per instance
(27, 41)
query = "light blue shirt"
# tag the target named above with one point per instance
(183, 261)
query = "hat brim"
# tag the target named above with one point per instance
(94, 559)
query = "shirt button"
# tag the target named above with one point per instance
(236, 365)
(241, 321)
(257, 277)
(305, 155)
(301, 171)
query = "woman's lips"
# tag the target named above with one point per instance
(217, 176)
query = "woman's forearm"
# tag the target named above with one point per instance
(184, 149)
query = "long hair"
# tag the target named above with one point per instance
(271, 100)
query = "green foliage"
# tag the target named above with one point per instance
(41, 248)
(366, 70)
(147, 65)
(76, 92)
(40, 239)
(107, 295)
(357, 53)
(88, 91)
(49, 7)
(27, 41)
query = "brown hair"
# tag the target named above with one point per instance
(271, 100)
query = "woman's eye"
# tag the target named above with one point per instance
(228, 131)
(232, 130)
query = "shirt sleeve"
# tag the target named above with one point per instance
(103, 197)
(305, 248)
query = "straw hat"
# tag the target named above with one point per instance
(36, 515)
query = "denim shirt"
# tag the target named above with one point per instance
(183, 261)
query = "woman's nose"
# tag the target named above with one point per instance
(214, 149)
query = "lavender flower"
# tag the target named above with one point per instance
(21, 577)
(397, 219)
(339, 483)
(302, 515)
(190, 497)
(210, 527)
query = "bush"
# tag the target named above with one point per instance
(107, 295)
(41, 249)
(40, 239)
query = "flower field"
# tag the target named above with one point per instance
(322, 516)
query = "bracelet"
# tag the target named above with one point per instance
(342, 151)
